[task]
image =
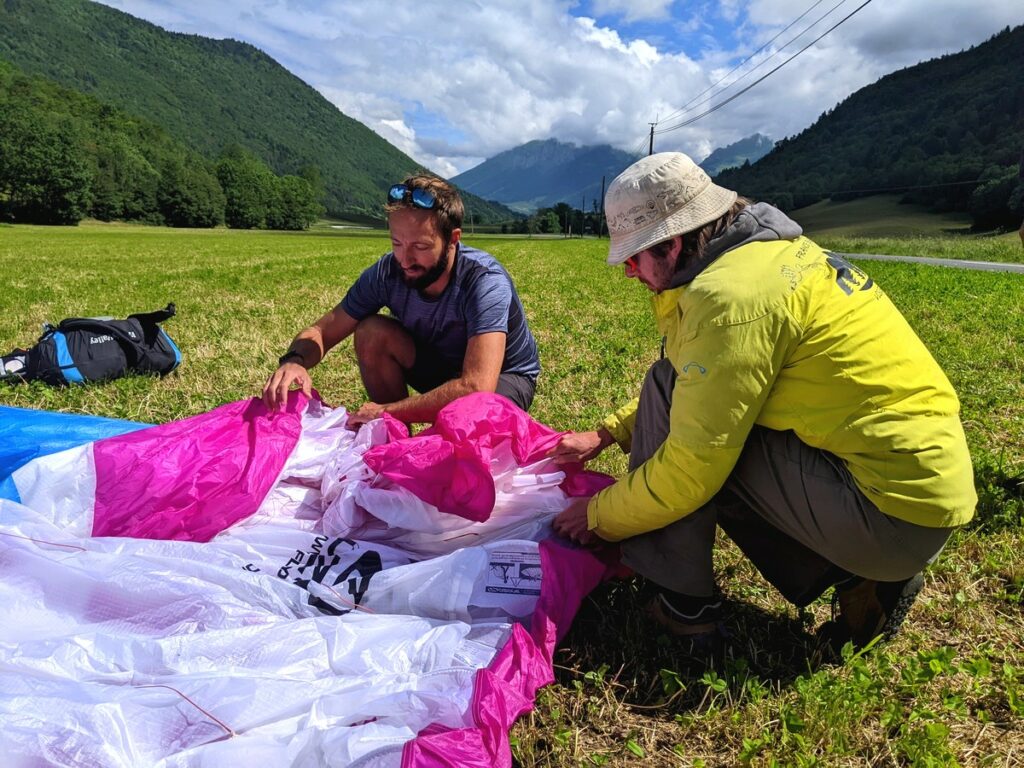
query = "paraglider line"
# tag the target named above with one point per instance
(210, 715)
(44, 541)
(355, 606)
(461, 535)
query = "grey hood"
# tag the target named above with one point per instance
(757, 223)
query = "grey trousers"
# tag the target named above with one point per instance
(793, 510)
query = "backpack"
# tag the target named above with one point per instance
(84, 349)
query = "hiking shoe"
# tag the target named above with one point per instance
(693, 620)
(868, 609)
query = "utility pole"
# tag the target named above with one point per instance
(650, 144)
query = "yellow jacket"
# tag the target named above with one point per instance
(787, 336)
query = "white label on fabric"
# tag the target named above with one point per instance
(514, 572)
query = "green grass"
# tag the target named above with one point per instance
(948, 690)
(881, 225)
(877, 216)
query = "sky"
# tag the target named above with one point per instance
(453, 83)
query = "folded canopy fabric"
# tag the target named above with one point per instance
(244, 587)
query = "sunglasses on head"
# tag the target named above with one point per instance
(418, 197)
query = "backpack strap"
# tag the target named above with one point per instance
(157, 316)
(65, 362)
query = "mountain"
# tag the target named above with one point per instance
(540, 174)
(209, 94)
(748, 150)
(947, 133)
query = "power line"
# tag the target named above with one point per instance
(767, 59)
(686, 106)
(735, 96)
(638, 149)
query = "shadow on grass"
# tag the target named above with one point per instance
(1000, 498)
(613, 641)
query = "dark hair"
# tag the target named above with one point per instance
(696, 241)
(448, 208)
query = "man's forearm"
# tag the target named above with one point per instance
(424, 408)
(308, 346)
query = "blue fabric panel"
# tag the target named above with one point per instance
(26, 434)
(177, 352)
(67, 366)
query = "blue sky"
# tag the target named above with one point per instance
(688, 28)
(452, 82)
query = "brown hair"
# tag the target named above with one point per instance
(448, 208)
(695, 242)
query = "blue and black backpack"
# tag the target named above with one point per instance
(84, 349)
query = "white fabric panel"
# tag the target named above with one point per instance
(327, 630)
(372, 509)
(61, 485)
(91, 632)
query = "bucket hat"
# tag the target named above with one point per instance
(659, 197)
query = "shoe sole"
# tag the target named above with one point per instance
(895, 618)
(657, 613)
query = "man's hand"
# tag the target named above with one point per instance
(275, 392)
(367, 412)
(581, 446)
(571, 522)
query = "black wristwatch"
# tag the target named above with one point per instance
(288, 356)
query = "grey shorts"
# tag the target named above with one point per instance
(429, 372)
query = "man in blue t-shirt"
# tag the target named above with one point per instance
(456, 324)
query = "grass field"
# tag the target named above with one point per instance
(878, 216)
(949, 690)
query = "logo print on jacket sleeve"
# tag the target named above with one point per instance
(848, 277)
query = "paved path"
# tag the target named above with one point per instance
(986, 266)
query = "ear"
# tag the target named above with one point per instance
(676, 249)
(455, 238)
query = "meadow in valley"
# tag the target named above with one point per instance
(949, 690)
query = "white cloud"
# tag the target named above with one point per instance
(451, 83)
(633, 10)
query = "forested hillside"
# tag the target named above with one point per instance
(543, 173)
(948, 133)
(210, 94)
(65, 155)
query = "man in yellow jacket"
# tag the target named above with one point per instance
(794, 407)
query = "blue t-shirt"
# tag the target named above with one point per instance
(479, 298)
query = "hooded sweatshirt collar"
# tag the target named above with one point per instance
(758, 222)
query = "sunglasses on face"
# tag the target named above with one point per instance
(418, 197)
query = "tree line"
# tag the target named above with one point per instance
(947, 133)
(561, 218)
(65, 156)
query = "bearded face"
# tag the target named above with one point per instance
(420, 251)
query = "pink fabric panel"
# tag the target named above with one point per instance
(585, 483)
(507, 688)
(396, 429)
(448, 465)
(190, 479)
(484, 419)
(440, 472)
